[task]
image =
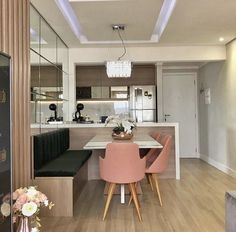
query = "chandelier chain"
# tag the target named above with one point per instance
(119, 58)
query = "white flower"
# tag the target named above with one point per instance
(31, 192)
(5, 209)
(113, 119)
(34, 229)
(127, 125)
(29, 209)
(129, 131)
(46, 202)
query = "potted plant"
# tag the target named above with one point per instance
(123, 128)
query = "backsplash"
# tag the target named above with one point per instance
(96, 109)
(93, 109)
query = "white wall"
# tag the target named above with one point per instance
(217, 121)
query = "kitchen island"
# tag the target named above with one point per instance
(81, 133)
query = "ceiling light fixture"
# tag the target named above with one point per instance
(119, 68)
(221, 39)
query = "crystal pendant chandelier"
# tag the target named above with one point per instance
(119, 68)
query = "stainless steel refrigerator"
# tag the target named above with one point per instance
(142, 103)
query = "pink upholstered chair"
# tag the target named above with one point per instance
(155, 135)
(150, 155)
(159, 164)
(122, 165)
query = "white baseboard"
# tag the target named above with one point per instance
(190, 156)
(218, 165)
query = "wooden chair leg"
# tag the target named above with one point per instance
(155, 178)
(131, 198)
(146, 174)
(134, 195)
(111, 190)
(149, 176)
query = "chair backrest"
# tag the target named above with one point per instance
(156, 135)
(153, 152)
(122, 163)
(161, 162)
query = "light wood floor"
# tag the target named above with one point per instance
(195, 203)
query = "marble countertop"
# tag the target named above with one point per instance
(100, 142)
(97, 125)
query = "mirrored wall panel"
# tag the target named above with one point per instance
(49, 72)
(5, 144)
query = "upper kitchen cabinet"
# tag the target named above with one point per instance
(49, 71)
(143, 75)
(92, 82)
(96, 76)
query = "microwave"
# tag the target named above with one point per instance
(83, 92)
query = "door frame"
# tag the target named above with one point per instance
(194, 74)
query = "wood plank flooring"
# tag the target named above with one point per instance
(193, 204)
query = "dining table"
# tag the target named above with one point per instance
(142, 140)
(100, 141)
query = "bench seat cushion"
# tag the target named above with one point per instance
(67, 164)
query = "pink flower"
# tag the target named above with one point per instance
(17, 206)
(22, 199)
(42, 197)
(37, 201)
(18, 192)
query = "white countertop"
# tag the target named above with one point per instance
(97, 125)
(100, 142)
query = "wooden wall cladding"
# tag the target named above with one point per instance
(14, 41)
(96, 76)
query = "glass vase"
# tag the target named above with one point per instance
(24, 225)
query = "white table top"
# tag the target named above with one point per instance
(100, 142)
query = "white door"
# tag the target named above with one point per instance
(179, 105)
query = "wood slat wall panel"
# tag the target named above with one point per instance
(14, 40)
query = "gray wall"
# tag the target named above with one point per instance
(217, 121)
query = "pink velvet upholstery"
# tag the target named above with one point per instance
(153, 152)
(122, 163)
(156, 135)
(161, 160)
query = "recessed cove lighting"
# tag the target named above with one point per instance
(68, 12)
(71, 18)
(221, 39)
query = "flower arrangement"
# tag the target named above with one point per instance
(123, 124)
(27, 203)
(5, 207)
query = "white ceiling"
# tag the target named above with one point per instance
(192, 22)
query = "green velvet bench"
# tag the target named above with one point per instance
(59, 172)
